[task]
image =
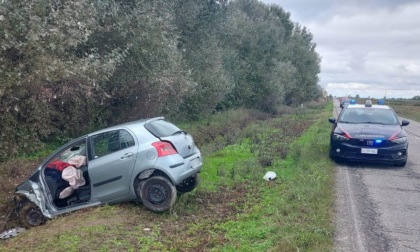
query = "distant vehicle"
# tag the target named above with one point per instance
(344, 102)
(371, 133)
(149, 161)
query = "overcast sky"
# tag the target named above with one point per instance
(367, 47)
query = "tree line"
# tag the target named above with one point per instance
(69, 67)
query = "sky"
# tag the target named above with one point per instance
(369, 48)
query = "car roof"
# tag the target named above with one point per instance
(363, 106)
(127, 125)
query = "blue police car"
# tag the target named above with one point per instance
(369, 133)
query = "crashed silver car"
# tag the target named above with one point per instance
(150, 161)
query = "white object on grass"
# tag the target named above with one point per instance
(11, 233)
(270, 176)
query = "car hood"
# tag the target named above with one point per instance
(370, 131)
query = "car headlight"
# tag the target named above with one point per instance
(399, 140)
(338, 137)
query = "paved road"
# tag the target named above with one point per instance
(378, 206)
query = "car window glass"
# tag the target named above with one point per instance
(385, 116)
(161, 128)
(126, 139)
(369, 115)
(349, 115)
(74, 154)
(105, 143)
(75, 150)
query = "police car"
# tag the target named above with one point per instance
(369, 133)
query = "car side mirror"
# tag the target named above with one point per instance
(405, 122)
(332, 120)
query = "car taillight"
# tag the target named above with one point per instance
(164, 149)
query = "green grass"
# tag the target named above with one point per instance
(233, 164)
(294, 211)
(290, 213)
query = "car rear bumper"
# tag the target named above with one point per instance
(178, 168)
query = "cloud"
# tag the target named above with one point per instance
(373, 42)
(369, 90)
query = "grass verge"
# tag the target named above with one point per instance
(407, 108)
(293, 212)
(233, 209)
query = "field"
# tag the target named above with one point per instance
(233, 208)
(409, 109)
(406, 108)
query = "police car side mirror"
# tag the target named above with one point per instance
(332, 120)
(405, 122)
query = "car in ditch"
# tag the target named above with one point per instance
(150, 161)
(369, 133)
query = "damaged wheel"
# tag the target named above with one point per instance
(31, 215)
(188, 185)
(157, 193)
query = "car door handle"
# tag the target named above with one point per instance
(127, 155)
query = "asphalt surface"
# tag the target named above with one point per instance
(378, 206)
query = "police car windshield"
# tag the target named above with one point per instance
(369, 115)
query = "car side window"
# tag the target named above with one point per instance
(126, 139)
(78, 149)
(111, 141)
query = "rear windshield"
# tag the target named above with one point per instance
(161, 128)
(369, 115)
